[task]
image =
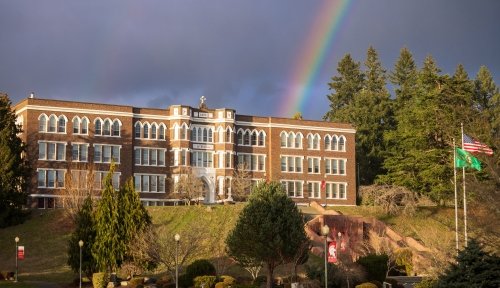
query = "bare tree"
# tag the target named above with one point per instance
(242, 183)
(190, 246)
(142, 253)
(189, 186)
(79, 182)
(393, 199)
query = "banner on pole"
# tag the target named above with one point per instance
(20, 252)
(332, 252)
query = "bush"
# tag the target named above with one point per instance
(197, 268)
(228, 279)
(366, 285)
(375, 265)
(426, 283)
(100, 280)
(204, 281)
(136, 281)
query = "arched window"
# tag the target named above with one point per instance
(290, 140)
(199, 135)
(327, 143)
(210, 135)
(254, 138)
(228, 135)
(52, 123)
(205, 135)
(153, 131)
(335, 143)
(341, 143)
(107, 128)
(309, 141)
(76, 125)
(246, 138)
(42, 123)
(316, 142)
(137, 130)
(116, 128)
(283, 139)
(61, 127)
(184, 131)
(145, 131)
(161, 135)
(298, 140)
(98, 127)
(262, 138)
(84, 126)
(221, 135)
(240, 137)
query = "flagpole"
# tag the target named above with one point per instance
(465, 198)
(456, 200)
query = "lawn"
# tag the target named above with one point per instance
(45, 234)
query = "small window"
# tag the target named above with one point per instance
(98, 127)
(116, 128)
(153, 131)
(61, 127)
(42, 124)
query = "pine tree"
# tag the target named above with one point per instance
(108, 249)
(14, 169)
(404, 79)
(270, 229)
(420, 154)
(345, 86)
(372, 115)
(85, 231)
(473, 268)
(133, 217)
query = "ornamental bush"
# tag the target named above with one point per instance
(100, 280)
(200, 267)
(366, 285)
(205, 281)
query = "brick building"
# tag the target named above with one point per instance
(156, 146)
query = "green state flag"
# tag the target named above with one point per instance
(465, 159)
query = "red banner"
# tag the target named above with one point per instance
(332, 252)
(323, 185)
(20, 252)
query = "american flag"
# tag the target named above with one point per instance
(475, 146)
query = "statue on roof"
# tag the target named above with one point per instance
(202, 105)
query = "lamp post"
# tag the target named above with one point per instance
(80, 243)
(177, 237)
(325, 230)
(17, 241)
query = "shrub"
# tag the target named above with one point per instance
(204, 281)
(100, 280)
(228, 279)
(375, 265)
(426, 283)
(136, 281)
(197, 268)
(366, 285)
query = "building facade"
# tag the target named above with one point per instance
(314, 160)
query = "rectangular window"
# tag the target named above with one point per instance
(161, 183)
(106, 153)
(313, 165)
(41, 178)
(137, 182)
(51, 178)
(42, 155)
(161, 157)
(228, 160)
(137, 156)
(79, 152)
(154, 183)
(298, 164)
(336, 190)
(183, 157)
(97, 153)
(51, 151)
(145, 156)
(115, 153)
(335, 166)
(145, 183)
(283, 164)
(61, 151)
(261, 163)
(291, 163)
(293, 188)
(314, 191)
(152, 157)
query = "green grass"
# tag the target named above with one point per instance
(45, 234)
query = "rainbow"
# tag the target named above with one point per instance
(312, 55)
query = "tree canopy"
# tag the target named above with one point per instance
(14, 168)
(270, 229)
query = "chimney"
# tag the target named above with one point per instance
(32, 95)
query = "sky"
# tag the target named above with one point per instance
(260, 57)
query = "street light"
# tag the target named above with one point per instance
(177, 237)
(325, 230)
(17, 241)
(80, 243)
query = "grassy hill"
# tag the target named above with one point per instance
(45, 233)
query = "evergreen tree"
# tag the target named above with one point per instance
(270, 229)
(345, 86)
(372, 115)
(473, 268)
(404, 79)
(133, 217)
(14, 169)
(420, 156)
(85, 231)
(108, 249)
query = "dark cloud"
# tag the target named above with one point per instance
(239, 54)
